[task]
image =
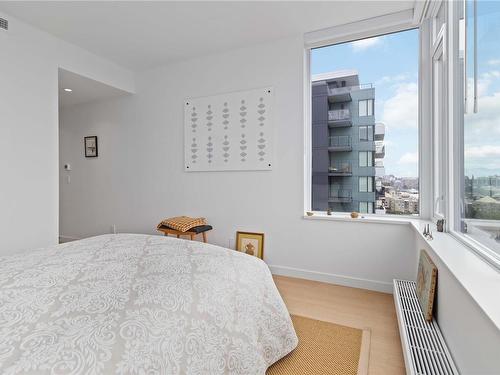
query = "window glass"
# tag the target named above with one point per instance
(366, 207)
(369, 107)
(366, 133)
(365, 101)
(365, 159)
(439, 121)
(363, 108)
(479, 180)
(366, 184)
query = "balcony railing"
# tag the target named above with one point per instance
(340, 195)
(340, 143)
(340, 168)
(346, 90)
(339, 114)
(339, 118)
(379, 151)
(379, 131)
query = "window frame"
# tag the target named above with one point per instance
(455, 140)
(367, 106)
(366, 158)
(368, 134)
(368, 179)
(439, 132)
(376, 26)
(367, 206)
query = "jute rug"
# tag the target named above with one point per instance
(325, 349)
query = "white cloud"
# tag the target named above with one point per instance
(392, 79)
(484, 126)
(494, 62)
(409, 158)
(483, 84)
(363, 44)
(401, 110)
(486, 151)
(482, 135)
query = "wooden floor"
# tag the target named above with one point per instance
(354, 308)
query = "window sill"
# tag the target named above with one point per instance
(479, 278)
(380, 219)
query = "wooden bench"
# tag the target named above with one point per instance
(203, 229)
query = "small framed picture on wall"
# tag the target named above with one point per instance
(90, 146)
(250, 243)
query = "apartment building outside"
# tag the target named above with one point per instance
(347, 144)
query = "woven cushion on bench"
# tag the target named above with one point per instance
(182, 223)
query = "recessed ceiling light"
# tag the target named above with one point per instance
(68, 90)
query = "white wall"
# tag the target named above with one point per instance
(138, 177)
(472, 338)
(29, 129)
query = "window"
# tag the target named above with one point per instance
(366, 159)
(364, 125)
(439, 118)
(476, 216)
(365, 107)
(366, 133)
(366, 207)
(366, 184)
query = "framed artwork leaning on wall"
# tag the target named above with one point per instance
(250, 243)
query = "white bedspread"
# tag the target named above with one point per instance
(136, 304)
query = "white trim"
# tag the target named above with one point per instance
(363, 218)
(348, 32)
(349, 281)
(63, 239)
(307, 131)
(438, 52)
(485, 253)
(371, 27)
(424, 121)
(476, 276)
(420, 11)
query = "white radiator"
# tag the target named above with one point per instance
(424, 348)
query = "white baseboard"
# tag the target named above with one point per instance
(63, 239)
(354, 282)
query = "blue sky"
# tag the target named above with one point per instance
(390, 63)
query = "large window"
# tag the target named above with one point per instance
(366, 133)
(477, 213)
(366, 159)
(366, 207)
(366, 184)
(365, 107)
(365, 125)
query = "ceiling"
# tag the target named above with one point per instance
(142, 35)
(84, 89)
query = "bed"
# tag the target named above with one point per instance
(137, 304)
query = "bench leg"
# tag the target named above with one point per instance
(177, 235)
(204, 234)
(192, 237)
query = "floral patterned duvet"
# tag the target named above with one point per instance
(137, 304)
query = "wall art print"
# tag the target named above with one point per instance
(230, 131)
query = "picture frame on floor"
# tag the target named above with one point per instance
(250, 243)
